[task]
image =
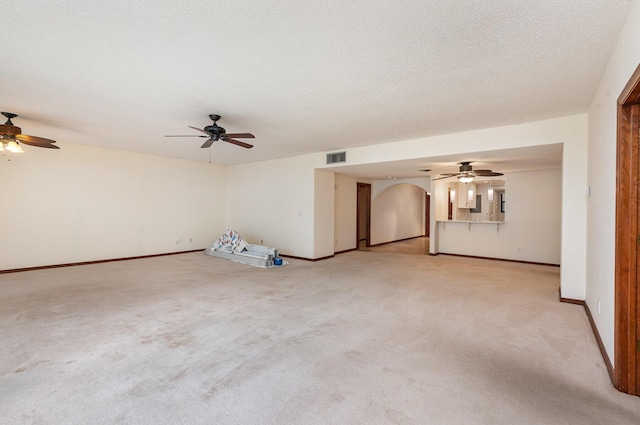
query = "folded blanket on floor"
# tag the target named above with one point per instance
(230, 241)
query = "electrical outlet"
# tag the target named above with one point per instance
(261, 242)
(178, 241)
(190, 240)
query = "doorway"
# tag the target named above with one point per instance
(363, 215)
(500, 205)
(626, 376)
(427, 214)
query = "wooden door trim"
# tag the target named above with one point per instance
(367, 186)
(427, 214)
(631, 92)
(625, 375)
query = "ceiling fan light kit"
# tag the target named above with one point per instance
(214, 133)
(11, 137)
(10, 145)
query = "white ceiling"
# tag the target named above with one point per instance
(302, 76)
(532, 158)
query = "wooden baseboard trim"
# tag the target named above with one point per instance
(500, 259)
(607, 362)
(84, 263)
(307, 259)
(345, 251)
(603, 352)
(397, 240)
(572, 301)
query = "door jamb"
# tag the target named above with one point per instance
(367, 188)
(427, 214)
(626, 354)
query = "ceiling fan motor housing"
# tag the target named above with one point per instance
(465, 166)
(215, 129)
(9, 130)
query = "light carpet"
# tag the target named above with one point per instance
(362, 338)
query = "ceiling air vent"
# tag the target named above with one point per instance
(335, 157)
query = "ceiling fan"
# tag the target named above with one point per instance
(215, 132)
(467, 173)
(11, 137)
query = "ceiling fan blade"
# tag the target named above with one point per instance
(490, 174)
(444, 177)
(185, 135)
(480, 172)
(239, 143)
(50, 146)
(208, 143)
(200, 130)
(33, 140)
(40, 145)
(241, 135)
(449, 174)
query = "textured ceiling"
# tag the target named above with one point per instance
(531, 158)
(302, 76)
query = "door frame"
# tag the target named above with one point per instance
(626, 333)
(366, 188)
(427, 214)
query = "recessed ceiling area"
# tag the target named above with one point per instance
(303, 77)
(532, 158)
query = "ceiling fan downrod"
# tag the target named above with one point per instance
(9, 115)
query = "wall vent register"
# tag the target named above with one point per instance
(336, 157)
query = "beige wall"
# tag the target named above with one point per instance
(397, 213)
(149, 202)
(570, 131)
(274, 202)
(600, 227)
(324, 210)
(83, 203)
(531, 232)
(345, 209)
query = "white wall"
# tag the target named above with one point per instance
(531, 232)
(565, 130)
(602, 178)
(574, 218)
(270, 201)
(440, 199)
(83, 203)
(345, 210)
(273, 201)
(324, 210)
(570, 131)
(394, 214)
(380, 185)
(397, 213)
